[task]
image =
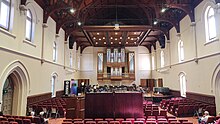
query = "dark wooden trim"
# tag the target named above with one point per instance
(175, 93)
(209, 99)
(38, 97)
(59, 93)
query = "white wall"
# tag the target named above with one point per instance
(13, 47)
(198, 74)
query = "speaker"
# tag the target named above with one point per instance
(162, 41)
(71, 41)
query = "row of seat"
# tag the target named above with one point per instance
(7, 122)
(21, 119)
(53, 106)
(150, 120)
(155, 113)
(185, 107)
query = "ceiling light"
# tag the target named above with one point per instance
(128, 37)
(120, 37)
(138, 37)
(94, 38)
(163, 10)
(134, 42)
(111, 37)
(72, 10)
(100, 39)
(126, 42)
(79, 23)
(116, 39)
(119, 42)
(111, 42)
(98, 33)
(155, 22)
(104, 42)
(116, 33)
(132, 38)
(103, 38)
(96, 42)
(135, 33)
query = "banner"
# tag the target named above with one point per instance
(66, 88)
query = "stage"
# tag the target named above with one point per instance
(156, 98)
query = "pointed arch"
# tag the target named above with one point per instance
(22, 84)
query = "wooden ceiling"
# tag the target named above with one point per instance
(142, 22)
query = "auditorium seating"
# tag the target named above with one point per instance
(183, 107)
(149, 120)
(54, 107)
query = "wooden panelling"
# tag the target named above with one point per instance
(59, 93)
(209, 99)
(143, 83)
(38, 97)
(175, 93)
(75, 107)
(113, 105)
(160, 82)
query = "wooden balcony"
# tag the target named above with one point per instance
(125, 76)
(116, 64)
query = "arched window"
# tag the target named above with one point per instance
(182, 79)
(5, 10)
(180, 51)
(162, 58)
(54, 51)
(210, 25)
(153, 62)
(29, 26)
(53, 82)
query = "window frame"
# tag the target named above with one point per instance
(182, 81)
(162, 59)
(53, 82)
(71, 60)
(8, 3)
(30, 19)
(54, 51)
(208, 17)
(180, 51)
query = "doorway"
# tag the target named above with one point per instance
(14, 89)
(7, 96)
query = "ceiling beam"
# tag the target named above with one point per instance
(122, 28)
(88, 37)
(144, 36)
(124, 37)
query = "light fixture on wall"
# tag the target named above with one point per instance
(117, 27)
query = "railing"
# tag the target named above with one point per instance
(109, 76)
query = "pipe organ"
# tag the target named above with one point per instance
(116, 64)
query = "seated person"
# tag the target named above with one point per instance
(218, 121)
(42, 119)
(204, 118)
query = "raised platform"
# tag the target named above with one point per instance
(156, 97)
(114, 105)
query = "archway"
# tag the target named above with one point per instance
(217, 91)
(17, 75)
(7, 95)
(216, 87)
